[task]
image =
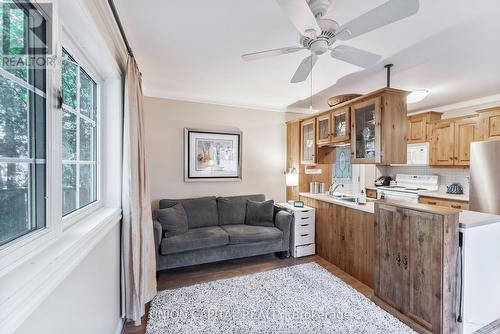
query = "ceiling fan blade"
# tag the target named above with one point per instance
(273, 52)
(304, 69)
(300, 14)
(355, 56)
(389, 12)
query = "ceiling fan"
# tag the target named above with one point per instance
(318, 34)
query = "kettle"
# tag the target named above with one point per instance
(455, 188)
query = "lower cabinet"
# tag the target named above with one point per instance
(415, 265)
(344, 237)
(464, 205)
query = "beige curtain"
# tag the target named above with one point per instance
(138, 254)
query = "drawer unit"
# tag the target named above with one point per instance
(444, 202)
(302, 230)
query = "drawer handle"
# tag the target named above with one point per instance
(304, 235)
(305, 218)
(456, 206)
(304, 225)
(432, 203)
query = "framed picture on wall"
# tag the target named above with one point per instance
(212, 155)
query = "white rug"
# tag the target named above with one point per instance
(299, 299)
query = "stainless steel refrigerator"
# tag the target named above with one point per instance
(485, 177)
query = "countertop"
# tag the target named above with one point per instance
(467, 219)
(368, 207)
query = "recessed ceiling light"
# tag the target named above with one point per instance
(417, 95)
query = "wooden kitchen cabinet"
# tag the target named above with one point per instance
(455, 204)
(341, 125)
(308, 141)
(419, 126)
(344, 237)
(451, 139)
(415, 264)
(378, 128)
(323, 125)
(489, 123)
(366, 125)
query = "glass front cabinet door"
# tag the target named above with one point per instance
(323, 126)
(341, 125)
(307, 139)
(365, 141)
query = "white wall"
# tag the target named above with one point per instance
(88, 300)
(264, 148)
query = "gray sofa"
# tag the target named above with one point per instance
(217, 231)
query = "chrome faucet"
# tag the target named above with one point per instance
(333, 188)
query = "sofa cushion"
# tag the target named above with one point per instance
(260, 213)
(173, 220)
(232, 210)
(201, 212)
(196, 238)
(244, 234)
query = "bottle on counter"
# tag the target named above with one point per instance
(362, 197)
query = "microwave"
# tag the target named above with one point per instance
(418, 154)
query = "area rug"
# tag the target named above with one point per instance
(298, 299)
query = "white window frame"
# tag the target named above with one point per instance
(72, 48)
(20, 250)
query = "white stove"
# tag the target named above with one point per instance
(408, 186)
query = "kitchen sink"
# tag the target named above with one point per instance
(344, 197)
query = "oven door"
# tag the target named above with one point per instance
(398, 196)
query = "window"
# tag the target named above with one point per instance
(22, 123)
(79, 133)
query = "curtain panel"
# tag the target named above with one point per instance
(137, 239)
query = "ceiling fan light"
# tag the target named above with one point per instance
(417, 95)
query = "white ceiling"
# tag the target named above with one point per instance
(190, 50)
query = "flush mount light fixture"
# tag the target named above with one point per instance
(417, 95)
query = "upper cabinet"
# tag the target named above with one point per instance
(323, 126)
(378, 128)
(451, 138)
(366, 122)
(308, 141)
(341, 125)
(373, 124)
(420, 128)
(489, 123)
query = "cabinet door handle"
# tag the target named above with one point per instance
(398, 260)
(405, 262)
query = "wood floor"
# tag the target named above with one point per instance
(174, 278)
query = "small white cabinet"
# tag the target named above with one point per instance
(302, 231)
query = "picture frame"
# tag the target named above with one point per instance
(212, 156)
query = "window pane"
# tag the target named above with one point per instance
(87, 139)
(14, 110)
(87, 184)
(22, 126)
(86, 95)
(69, 135)
(14, 194)
(80, 138)
(69, 82)
(69, 188)
(13, 27)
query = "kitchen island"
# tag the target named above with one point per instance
(345, 237)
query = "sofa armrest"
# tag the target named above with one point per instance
(283, 221)
(158, 235)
